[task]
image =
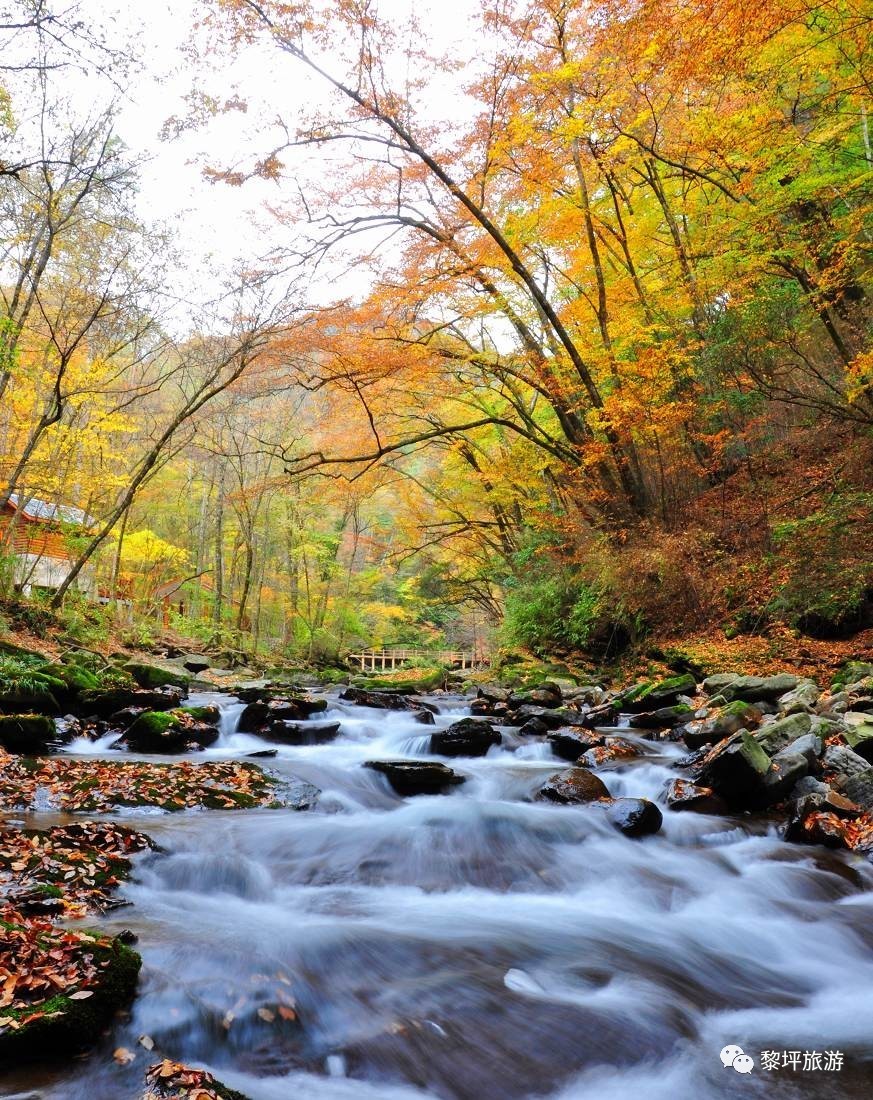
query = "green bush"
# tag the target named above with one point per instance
(825, 567)
(554, 611)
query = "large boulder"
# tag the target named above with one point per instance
(195, 662)
(754, 689)
(468, 737)
(411, 777)
(573, 786)
(634, 816)
(731, 719)
(28, 734)
(737, 769)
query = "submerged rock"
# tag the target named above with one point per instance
(573, 786)
(411, 777)
(469, 737)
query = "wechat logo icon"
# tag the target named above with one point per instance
(734, 1057)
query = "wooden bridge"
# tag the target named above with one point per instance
(393, 657)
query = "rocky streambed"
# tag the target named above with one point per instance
(564, 892)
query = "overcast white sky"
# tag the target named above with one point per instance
(218, 223)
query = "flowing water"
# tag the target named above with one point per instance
(480, 946)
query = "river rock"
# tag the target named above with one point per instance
(682, 795)
(424, 717)
(635, 816)
(802, 698)
(28, 734)
(774, 736)
(306, 733)
(850, 774)
(713, 685)
(104, 703)
(811, 822)
(533, 727)
(753, 689)
(155, 676)
(258, 715)
(662, 718)
(411, 777)
(493, 693)
(195, 662)
(469, 737)
(573, 786)
(651, 696)
(859, 738)
(379, 700)
(736, 768)
(168, 732)
(614, 750)
(571, 744)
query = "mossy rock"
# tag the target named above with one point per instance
(209, 714)
(851, 673)
(168, 732)
(153, 676)
(79, 1023)
(27, 733)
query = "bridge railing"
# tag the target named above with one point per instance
(393, 657)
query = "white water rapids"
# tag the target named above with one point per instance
(477, 945)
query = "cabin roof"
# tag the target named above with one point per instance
(48, 512)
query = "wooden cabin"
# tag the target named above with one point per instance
(40, 536)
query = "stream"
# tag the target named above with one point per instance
(478, 945)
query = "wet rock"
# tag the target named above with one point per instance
(482, 706)
(411, 777)
(262, 753)
(554, 719)
(295, 733)
(571, 744)
(713, 685)
(635, 816)
(468, 737)
(682, 795)
(28, 734)
(752, 689)
(573, 786)
(168, 1080)
(211, 715)
(614, 750)
(154, 676)
(424, 717)
(379, 700)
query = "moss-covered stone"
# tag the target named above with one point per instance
(26, 733)
(70, 1025)
(169, 731)
(210, 714)
(154, 676)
